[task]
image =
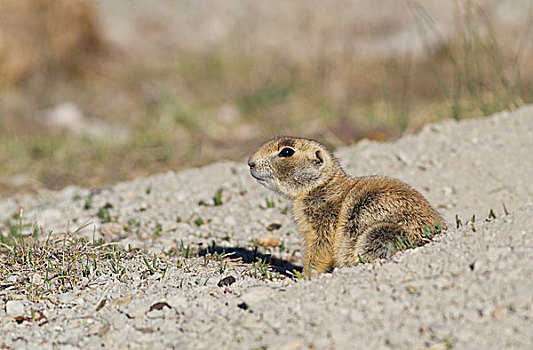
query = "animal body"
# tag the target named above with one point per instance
(344, 220)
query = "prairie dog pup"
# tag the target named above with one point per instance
(343, 220)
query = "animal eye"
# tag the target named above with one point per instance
(286, 152)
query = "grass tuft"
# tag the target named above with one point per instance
(47, 263)
(217, 198)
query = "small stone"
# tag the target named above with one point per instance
(268, 241)
(119, 322)
(412, 289)
(226, 281)
(136, 309)
(15, 308)
(159, 306)
(122, 300)
(84, 282)
(103, 329)
(66, 298)
(100, 305)
(273, 226)
(155, 314)
(243, 306)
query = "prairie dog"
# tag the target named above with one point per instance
(344, 220)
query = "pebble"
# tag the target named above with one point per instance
(268, 241)
(66, 298)
(15, 308)
(226, 281)
(155, 313)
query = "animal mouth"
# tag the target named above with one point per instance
(260, 179)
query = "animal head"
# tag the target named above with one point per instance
(291, 166)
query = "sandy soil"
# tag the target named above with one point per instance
(471, 288)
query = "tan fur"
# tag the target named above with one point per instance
(343, 220)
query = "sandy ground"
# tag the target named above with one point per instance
(469, 289)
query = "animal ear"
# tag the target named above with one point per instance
(319, 157)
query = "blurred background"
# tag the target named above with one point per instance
(93, 92)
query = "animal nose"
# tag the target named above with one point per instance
(251, 164)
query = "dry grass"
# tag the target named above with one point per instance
(37, 263)
(215, 105)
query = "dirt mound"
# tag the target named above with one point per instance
(195, 272)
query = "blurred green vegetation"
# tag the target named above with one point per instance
(207, 106)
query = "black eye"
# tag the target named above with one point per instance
(286, 152)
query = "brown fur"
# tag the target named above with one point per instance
(343, 220)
